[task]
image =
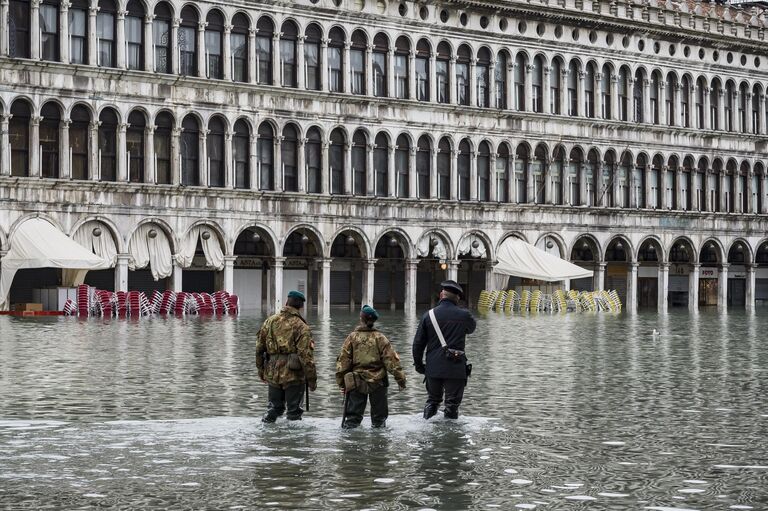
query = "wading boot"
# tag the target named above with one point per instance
(450, 413)
(430, 411)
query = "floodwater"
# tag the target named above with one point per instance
(573, 412)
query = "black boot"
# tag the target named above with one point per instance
(450, 413)
(430, 411)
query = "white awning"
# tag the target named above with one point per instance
(38, 244)
(520, 259)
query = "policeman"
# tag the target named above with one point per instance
(285, 359)
(446, 367)
(361, 371)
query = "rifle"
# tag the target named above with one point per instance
(344, 411)
(306, 395)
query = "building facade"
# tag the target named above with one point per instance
(363, 150)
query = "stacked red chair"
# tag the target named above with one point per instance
(155, 301)
(70, 308)
(204, 303)
(83, 300)
(122, 304)
(234, 304)
(168, 302)
(105, 300)
(221, 302)
(180, 307)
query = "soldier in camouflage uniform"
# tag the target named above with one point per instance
(285, 359)
(361, 371)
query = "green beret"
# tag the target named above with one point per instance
(370, 312)
(298, 295)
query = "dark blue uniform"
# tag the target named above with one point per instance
(443, 375)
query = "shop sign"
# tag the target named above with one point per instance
(708, 273)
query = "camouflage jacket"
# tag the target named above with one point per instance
(368, 352)
(281, 335)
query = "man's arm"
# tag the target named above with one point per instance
(419, 345)
(391, 360)
(471, 323)
(305, 348)
(344, 362)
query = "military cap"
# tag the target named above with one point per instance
(298, 295)
(370, 312)
(453, 287)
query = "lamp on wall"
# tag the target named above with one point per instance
(443, 265)
(549, 244)
(433, 242)
(619, 245)
(304, 238)
(475, 243)
(350, 240)
(256, 237)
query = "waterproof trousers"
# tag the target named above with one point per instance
(355, 408)
(280, 399)
(452, 389)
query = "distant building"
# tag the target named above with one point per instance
(364, 150)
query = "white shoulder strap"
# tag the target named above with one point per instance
(439, 332)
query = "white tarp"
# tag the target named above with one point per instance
(155, 252)
(102, 245)
(466, 247)
(39, 244)
(424, 247)
(521, 259)
(214, 257)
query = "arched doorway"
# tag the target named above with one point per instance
(475, 264)
(347, 270)
(617, 261)
(681, 257)
(254, 260)
(389, 289)
(761, 273)
(201, 255)
(151, 264)
(649, 256)
(738, 258)
(433, 254)
(710, 259)
(301, 268)
(585, 253)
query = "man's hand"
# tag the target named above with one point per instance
(343, 390)
(420, 368)
(401, 384)
(261, 376)
(312, 385)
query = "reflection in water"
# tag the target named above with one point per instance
(563, 412)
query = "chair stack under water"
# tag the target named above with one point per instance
(558, 302)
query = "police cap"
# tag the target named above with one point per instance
(453, 287)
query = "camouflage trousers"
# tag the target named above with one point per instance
(282, 398)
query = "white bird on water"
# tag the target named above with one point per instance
(655, 333)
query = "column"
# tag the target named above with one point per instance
(324, 79)
(325, 171)
(600, 199)
(563, 93)
(432, 76)
(763, 188)
(369, 269)
(493, 194)
(346, 76)
(473, 175)
(412, 75)
(64, 167)
(175, 157)
(693, 288)
(473, 82)
(203, 161)
(647, 101)
(679, 187)
(202, 64)
(662, 102)
(229, 164)
(368, 70)
(63, 31)
(121, 272)
(391, 171)
(122, 153)
(276, 60)
(723, 190)
(93, 10)
(251, 55)
(545, 93)
(510, 78)
(302, 165)
(707, 107)
(370, 176)
(254, 176)
(301, 81)
(614, 84)
(452, 81)
(580, 95)
(722, 287)
(632, 287)
(120, 40)
(750, 291)
(452, 272)
(34, 147)
(35, 48)
(528, 88)
(454, 182)
(412, 178)
(597, 87)
(433, 181)
(600, 276)
(93, 151)
(324, 300)
(411, 277)
(176, 278)
(149, 43)
(648, 204)
(348, 168)
(277, 143)
(226, 53)
(582, 184)
(4, 28)
(721, 125)
(5, 145)
(663, 287)
(707, 206)
(229, 274)
(761, 114)
(677, 100)
(174, 56)
(277, 276)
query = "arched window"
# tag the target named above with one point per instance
(264, 33)
(685, 98)
(713, 185)
(522, 160)
(743, 101)
(49, 30)
(214, 45)
(701, 90)
(605, 91)
(573, 91)
(336, 161)
(402, 53)
(700, 181)
(670, 184)
(655, 183)
(463, 169)
(289, 158)
(463, 57)
(714, 103)
(500, 75)
(444, 155)
(108, 145)
(359, 163)
(502, 174)
(18, 137)
(755, 113)
(623, 92)
(605, 192)
(402, 164)
(187, 35)
(381, 165)
(241, 152)
(423, 51)
(655, 94)
(379, 63)
(519, 79)
(537, 172)
(484, 172)
(190, 151)
(728, 105)
(239, 47)
(215, 147)
(589, 91)
(313, 157)
(134, 143)
(556, 172)
(758, 190)
(162, 140)
(79, 143)
(336, 60)
(161, 38)
(637, 97)
(554, 87)
(134, 35)
(442, 66)
(537, 83)
(18, 28)
(357, 62)
(482, 78)
(687, 184)
(49, 140)
(313, 36)
(623, 177)
(265, 157)
(105, 33)
(730, 179)
(575, 162)
(670, 88)
(638, 181)
(78, 32)
(288, 61)
(423, 167)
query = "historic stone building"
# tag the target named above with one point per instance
(365, 149)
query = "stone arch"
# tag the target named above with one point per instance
(360, 237)
(164, 226)
(405, 240)
(629, 249)
(311, 232)
(444, 237)
(551, 237)
(108, 224)
(749, 255)
(716, 246)
(490, 253)
(271, 237)
(28, 216)
(680, 243)
(213, 226)
(657, 244)
(596, 248)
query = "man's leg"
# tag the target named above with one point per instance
(434, 396)
(275, 404)
(379, 407)
(454, 393)
(293, 396)
(356, 402)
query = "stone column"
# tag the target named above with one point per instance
(473, 176)
(734, 108)
(149, 43)
(433, 181)
(175, 157)
(226, 53)
(369, 269)
(120, 40)
(600, 276)
(277, 144)
(452, 81)
(229, 164)
(325, 171)
(473, 83)
(661, 94)
(65, 161)
(614, 84)
(150, 170)
(302, 165)
(761, 115)
(253, 174)
(722, 287)
(749, 303)
(370, 175)
(276, 61)
(251, 55)
(452, 272)
(707, 106)
(93, 10)
(528, 88)
(677, 100)
(348, 169)
(412, 178)
(177, 277)
(763, 188)
(411, 277)
(580, 95)
(324, 301)
(5, 145)
(35, 45)
(277, 275)
(723, 191)
(346, 75)
(411, 75)
(93, 151)
(203, 175)
(545, 91)
(493, 189)
(632, 287)
(63, 31)
(454, 175)
(693, 288)
(324, 78)
(510, 77)
(202, 64)
(4, 27)
(647, 101)
(432, 77)
(663, 287)
(597, 87)
(583, 184)
(720, 110)
(34, 146)
(121, 272)
(563, 93)
(175, 56)
(122, 153)
(648, 199)
(229, 274)
(492, 84)
(679, 188)
(301, 81)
